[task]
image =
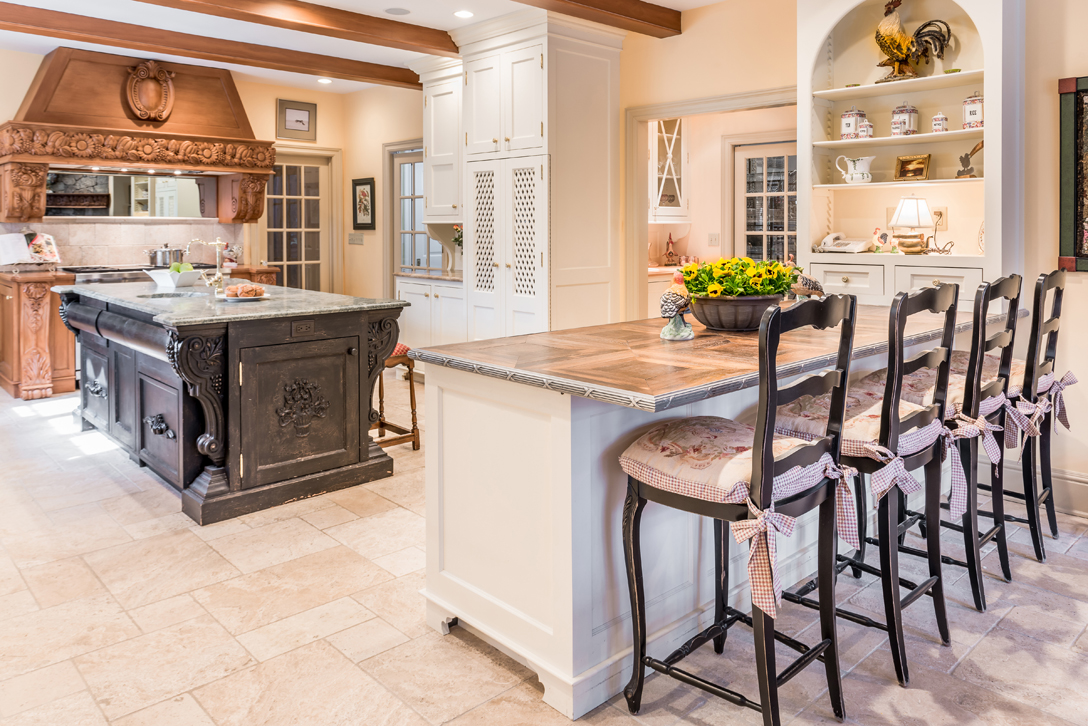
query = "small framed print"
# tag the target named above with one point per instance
(296, 120)
(362, 195)
(912, 168)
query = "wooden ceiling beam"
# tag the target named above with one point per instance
(66, 26)
(318, 19)
(632, 15)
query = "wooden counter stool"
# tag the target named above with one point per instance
(704, 465)
(886, 438)
(398, 358)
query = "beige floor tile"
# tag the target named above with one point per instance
(62, 581)
(39, 688)
(160, 525)
(181, 710)
(411, 559)
(165, 613)
(10, 578)
(381, 534)
(220, 529)
(1062, 574)
(50, 636)
(329, 517)
(522, 704)
(284, 635)
(256, 549)
(285, 511)
(154, 569)
(59, 541)
(367, 639)
(276, 592)
(313, 684)
(442, 677)
(405, 489)
(152, 503)
(64, 490)
(399, 604)
(607, 715)
(17, 603)
(78, 709)
(1030, 622)
(360, 501)
(196, 652)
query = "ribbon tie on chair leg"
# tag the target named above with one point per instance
(1057, 398)
(763, 554)
(957, 498)
(845, 512)
(1021, 416)
(893, 473)
(985, 430)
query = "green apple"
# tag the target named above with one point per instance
(186, 267)
(175, 267)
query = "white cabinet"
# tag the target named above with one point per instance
(913, 278)
(504, 101)
(668, 171)
(436, 315)
(442, 150)
(506, 266)
(848, 279)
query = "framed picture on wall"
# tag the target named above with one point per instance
(296, 120)
(362, 195)
(912, 168)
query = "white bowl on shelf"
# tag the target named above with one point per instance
(165, 278)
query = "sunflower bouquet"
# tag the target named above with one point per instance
(739, 277)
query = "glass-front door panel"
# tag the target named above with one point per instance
(297, 223)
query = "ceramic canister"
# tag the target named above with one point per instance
(973, 116)
(908, 115)
(850, 120)
(865, 129)
(897, 127)
(940, 123)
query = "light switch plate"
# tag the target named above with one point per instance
(940, 216)
(355, 238)
(714, 239)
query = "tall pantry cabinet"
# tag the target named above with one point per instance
(539, 181)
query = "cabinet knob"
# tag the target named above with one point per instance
(508, 139)
(508, 264)
(936, 283)
(846, 279)
(96, 389)
(159, 426)
(352, 351)
(494, 141)
(455, 206)
(495, 264)
(436, 296)
(426, 294)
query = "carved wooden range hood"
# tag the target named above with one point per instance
(89, 109)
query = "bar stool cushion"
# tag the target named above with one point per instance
(704, 457)
(918, 386)
(401, 349)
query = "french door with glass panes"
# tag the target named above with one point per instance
(418, 253)
(296, 227)
(765, 201)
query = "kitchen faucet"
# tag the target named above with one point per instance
(216, 280)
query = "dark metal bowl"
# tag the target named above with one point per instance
(732, 313)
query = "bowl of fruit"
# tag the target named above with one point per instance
(180, 274)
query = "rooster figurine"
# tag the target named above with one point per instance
(674, 302)
(902, 50)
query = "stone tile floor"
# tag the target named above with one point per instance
(115, 608)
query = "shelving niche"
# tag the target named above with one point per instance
(837, 49)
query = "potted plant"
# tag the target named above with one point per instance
(733, 294)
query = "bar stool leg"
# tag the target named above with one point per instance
(1031, 498)
(863, 521)
(721, 584)
(997, 506)
(763, 632)
(933, 545)
(632, 555)
(1048, 479)
(411, 365)
(903, 515)
(968, 452)
(887, 527)
(828, 547)
(381, 404)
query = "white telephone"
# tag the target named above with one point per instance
(837, 242)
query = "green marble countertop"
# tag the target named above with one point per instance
(197, 306)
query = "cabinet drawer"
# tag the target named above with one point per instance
(95, 388)
(913, 278)
(849, 279)
(160, 426)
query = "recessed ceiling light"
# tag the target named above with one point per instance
(95, 168)
(463, 13)
(398, 11)
(150, 171)
(177, 173)
(124, 170)
(326, 81)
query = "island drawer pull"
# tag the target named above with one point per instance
(159, 426)
(96, 389)
(845, 279)
(352, 351)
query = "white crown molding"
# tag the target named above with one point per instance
(531, 23)
(501, 25)
(436, 66)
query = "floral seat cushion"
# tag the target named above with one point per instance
(704, 457)
(918, 386)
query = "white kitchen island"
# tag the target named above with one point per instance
(525, 492)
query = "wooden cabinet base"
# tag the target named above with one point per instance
(37, 353)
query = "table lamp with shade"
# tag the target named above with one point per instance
(912, 213)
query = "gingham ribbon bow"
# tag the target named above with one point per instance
(1022, 416)
(1057, 398)
(762, 554)
(845, 512)
(957, 498)
(893, 473)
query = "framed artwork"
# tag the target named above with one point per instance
(912, 168)
(1073, 189)
(362, 195)
(296, 120)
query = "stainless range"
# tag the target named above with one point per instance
(117, 273)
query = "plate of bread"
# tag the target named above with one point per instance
(243, 293)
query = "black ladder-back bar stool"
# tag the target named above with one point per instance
(1040, 397)
(788, 477)
(910, 437)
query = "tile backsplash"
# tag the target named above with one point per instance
(117, 241)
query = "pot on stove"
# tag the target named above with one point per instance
(165, 256)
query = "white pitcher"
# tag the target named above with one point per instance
(857, 170)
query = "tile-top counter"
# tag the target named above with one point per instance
(628, 364)
(198, 306)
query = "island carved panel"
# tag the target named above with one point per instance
(22, 191)
(199, 357)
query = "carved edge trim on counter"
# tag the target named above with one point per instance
(654, 404)
(381, 339)
(66, 299)
(41, 140)
(200, 359)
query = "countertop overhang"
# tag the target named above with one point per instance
(628, 364)
(199, 306)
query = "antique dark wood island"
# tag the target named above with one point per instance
(240, 406)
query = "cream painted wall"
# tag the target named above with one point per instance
(373, 117)
(259, 100)
(19, 69)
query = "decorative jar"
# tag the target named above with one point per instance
(732, 313)
(850, 121)
(908, 118)
(865, 129)
(973, 116)
(897, 127)
(940, 123)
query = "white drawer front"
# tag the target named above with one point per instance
(849, 279)
(913, 278)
